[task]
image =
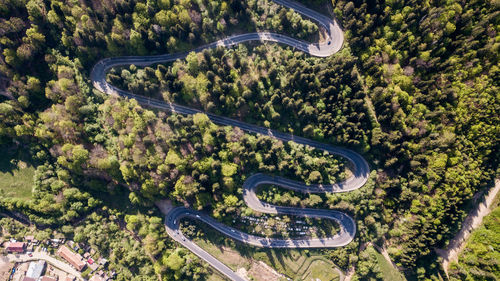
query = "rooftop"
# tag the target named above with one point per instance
(12, 245)
(96, 278)
(35, 269)
(73, 258)
(29, 238)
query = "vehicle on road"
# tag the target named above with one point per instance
(98, 77)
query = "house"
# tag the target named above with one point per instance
(93, 266)
(29, 238)
(15, 247)
(48, 278)
(74, 259)
(73, 245)
(55, 242)
(102, 261)
(35, 269)
(97, 277)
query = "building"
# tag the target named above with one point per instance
(102, 261)
(29, 238)
(35, 269)
(93, 266)
(55, 242)
(74, 259)
(15, 247)
(97, 277)
(28, 279)
(70, 278)
(48, 278)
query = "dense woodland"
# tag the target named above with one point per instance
(431, 69)
(415, 90)
(289, 91)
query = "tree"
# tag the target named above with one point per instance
(315, 177)
(174, 261)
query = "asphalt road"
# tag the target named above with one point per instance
(357, 180)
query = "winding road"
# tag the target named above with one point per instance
(361, 169)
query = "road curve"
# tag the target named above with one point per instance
(361, 169)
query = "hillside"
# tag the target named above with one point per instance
(414, 91)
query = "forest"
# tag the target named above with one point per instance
(415, 90)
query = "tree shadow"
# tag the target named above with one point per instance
(11, 154)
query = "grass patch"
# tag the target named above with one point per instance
(17, 170)
(295, 264)
(227, 256)
(390, 273)
(215, 276)
(322, 270)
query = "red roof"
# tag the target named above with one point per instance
(15, 247)
(48, 278)
(90, 261)
(73, 258)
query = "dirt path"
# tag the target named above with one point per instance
(382, 250)
(472, 221)
(164, 205)
(350, 274)
(5, 268)
(49, 259)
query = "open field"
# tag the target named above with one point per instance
(216, 277)
(295, 264)
(16, 174)
(390, 273)
(317, 271)
(228, 256)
